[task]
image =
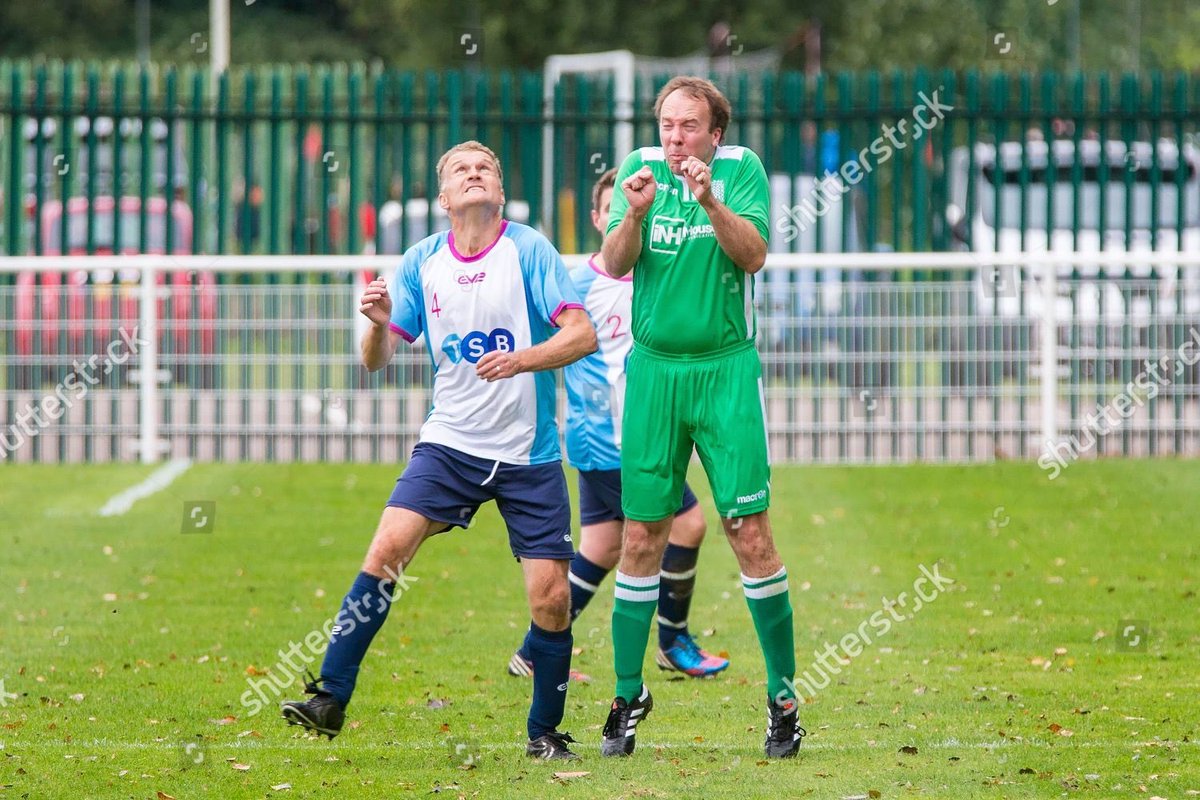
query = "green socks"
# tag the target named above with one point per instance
(771, 610)
(633, 611)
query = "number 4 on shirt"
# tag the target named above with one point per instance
(435, 309)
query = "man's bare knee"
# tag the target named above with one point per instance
(752, 543)
(688, 528)
(552, 608)
(642, 545)
(397, 537)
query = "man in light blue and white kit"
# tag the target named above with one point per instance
(596, 396)
(488, 296)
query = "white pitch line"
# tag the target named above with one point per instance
(158, 480)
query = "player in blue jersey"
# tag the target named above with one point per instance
(498, 312)
(596, 395)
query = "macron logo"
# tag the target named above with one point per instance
(761, 494)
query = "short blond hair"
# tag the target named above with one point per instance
(463, 147)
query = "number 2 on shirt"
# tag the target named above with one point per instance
(616, 326)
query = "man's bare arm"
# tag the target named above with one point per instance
(379, 344)
(380, 341)
(623, 246)
(738, 237)
(575, 339)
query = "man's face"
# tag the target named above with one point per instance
(469, 180)
(683, 127)
(600, 215)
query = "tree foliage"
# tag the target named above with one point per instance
(864, 34)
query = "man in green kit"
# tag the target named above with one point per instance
(691, 216)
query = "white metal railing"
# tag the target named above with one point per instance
(867, 356)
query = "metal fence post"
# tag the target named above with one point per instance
(148, 355)
(1049, 351)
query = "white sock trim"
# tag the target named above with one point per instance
(747, 580)
(630, 580)
(761, 588)
(580, 582)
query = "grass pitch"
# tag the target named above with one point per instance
(1061, 662)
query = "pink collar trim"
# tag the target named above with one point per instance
(481, 253)
(605, 273)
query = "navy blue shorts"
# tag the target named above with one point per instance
(447, 485)
(600, 496)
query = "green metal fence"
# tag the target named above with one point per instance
(330, 159)
(105, 158)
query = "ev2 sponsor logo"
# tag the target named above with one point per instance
(466, 281)
(475, 344)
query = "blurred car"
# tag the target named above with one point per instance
(49, 303)
(998, 184)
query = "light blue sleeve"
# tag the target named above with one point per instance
(408, 299)
(548, 286)
(582, 279)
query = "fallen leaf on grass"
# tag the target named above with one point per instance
(568, 775)
(164, 796)
(224, 720)
(281, 787)
(908, 749)
(241, 767)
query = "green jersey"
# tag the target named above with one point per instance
(689, 298)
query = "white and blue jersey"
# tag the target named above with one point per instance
(506, 298)
(596, 383)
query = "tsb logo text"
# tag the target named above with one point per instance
(475, 344)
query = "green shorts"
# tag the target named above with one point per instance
(713, 402)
